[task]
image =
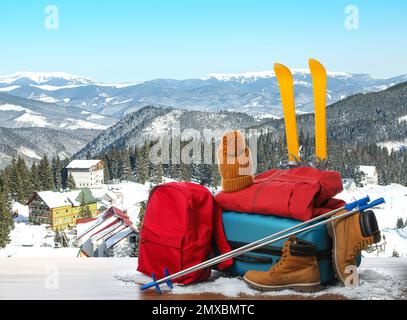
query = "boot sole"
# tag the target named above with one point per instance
(300, 287)
(331, 232)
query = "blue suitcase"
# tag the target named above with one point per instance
(243, 228)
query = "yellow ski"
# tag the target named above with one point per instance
(319, 80)
(286, 84)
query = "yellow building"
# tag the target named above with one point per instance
(61, 209)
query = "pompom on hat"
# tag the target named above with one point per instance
(234, 162)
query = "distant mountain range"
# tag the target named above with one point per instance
(363, 119)
(59, 113)
(18, 112)
(255, 93)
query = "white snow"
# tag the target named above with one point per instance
(95, 117)
(74, 124)
(82, 164)
(21, 210)
(12, 107)
(28, 152)
(162, 123)
(47, 87)
(396, 207)
(59, 199)
(33, 120)
(253, 76)
(27, 235)
(42, 77)
(45, 98)
(10, 88)
(393, 146)
(401, 119)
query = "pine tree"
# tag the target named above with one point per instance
(45, 174)
(143, 165)
(70, 182)
(157, 177)
(34, 179)
(84, 209)
(124, 165)
(6, 217)
(185, 172)
(57, 172)
(400, 223)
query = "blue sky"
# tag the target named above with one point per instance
(118, 41)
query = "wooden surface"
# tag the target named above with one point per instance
(93, 278)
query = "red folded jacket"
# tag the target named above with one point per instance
(300, 193)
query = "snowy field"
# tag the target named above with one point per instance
(396, 207)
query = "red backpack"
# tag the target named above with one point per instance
(180, 225)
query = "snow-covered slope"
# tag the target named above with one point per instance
(46, 78)
(32, 143)
(150, 122)
(255, 93)
(396, 207)
(17, 112)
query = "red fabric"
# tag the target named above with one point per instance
(300, 193)
(181, 223)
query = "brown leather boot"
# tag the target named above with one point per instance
(350, 236)
(297, 269)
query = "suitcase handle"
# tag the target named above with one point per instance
(254, 259)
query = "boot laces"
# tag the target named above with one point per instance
(361, 245)
(283, 257)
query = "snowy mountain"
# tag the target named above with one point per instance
(32, 143)
(17, 112)
(138, 126)
(44, 78)
(254, 93)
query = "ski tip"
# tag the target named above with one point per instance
(313, 64)
(278, 67)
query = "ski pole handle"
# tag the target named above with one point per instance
(357, 203)
(371, 204)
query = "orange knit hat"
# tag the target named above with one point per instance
(234, 162)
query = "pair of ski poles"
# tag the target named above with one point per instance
(351, 208)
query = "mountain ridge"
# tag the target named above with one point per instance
(254, 93)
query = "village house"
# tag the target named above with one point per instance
(87, 173)
(369, 175)
(61, 209)
(111, 235)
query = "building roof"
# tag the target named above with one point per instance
(55, 199)
(369, 171)
(82, 164)
(103, 218)
(84, 220)
(118, 237)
